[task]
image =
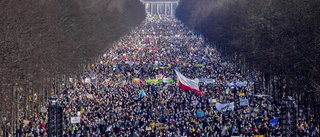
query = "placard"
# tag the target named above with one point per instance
(93, 81)
(210, 81)
(159, 76)
(90, 96)
(75, 120)
(244, 102)
(166, 80)
(87, 80)
(212, 101)
(148, 128)
(26, 122)
(43, 110)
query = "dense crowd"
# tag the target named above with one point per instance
(126, 94)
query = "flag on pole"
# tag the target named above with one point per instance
(188, 84)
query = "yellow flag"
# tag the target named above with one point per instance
(241, 94)
(35, 97)
(136, 80)
(152, 124)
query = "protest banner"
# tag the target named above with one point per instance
(75, 120)
(203, 80)
(226, 106)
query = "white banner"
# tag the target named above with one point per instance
(166, 80)
(210, 81)
(75, 120)
(244, 102)
(238, 84)
(225, 106)
(87, 80)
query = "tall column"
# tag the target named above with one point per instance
(151, 5)
(165, 8)
(157, 8)
(171, 9)
(146, 7)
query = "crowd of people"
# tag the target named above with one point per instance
(132, 90)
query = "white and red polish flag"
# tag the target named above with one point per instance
(188, 84)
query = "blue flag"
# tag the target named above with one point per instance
(200, 114)
(274, 122)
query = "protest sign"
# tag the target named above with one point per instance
(226, 106)
(244, 102)
(203, 80)
(166, 80)
(212, 101)
(43, 110)
(26, 122)
(75, 120)
(159, 77)
(90, 96)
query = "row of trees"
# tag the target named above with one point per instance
(280, 38)
(44, 42)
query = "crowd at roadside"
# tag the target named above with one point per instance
(132, 90)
